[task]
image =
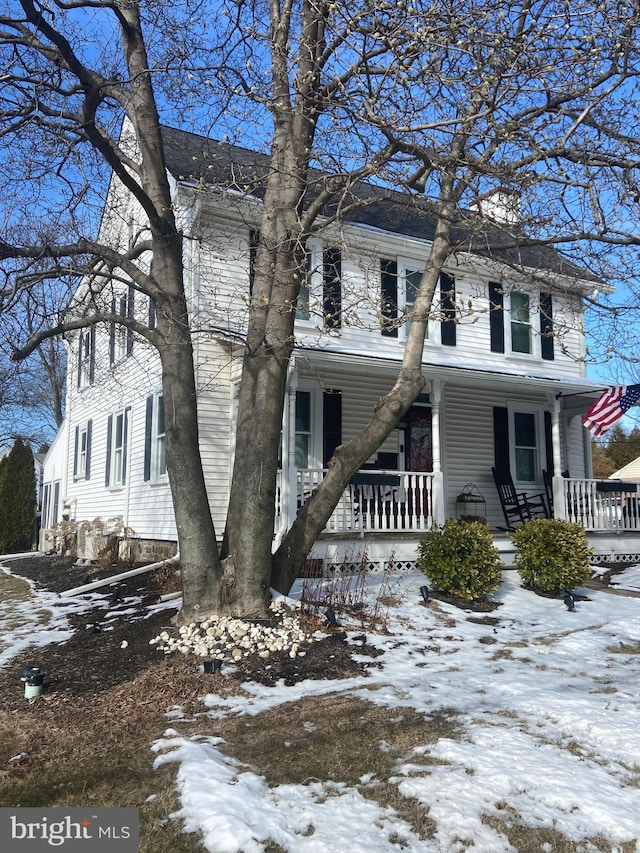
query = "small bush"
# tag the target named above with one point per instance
(552, 554)
(460, 559)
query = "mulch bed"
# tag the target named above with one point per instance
(92, 661)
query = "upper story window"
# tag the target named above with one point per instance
(520, 323)
(82, 452)
(520, 313)
(155, 460)
(86, 357)
(120, 336)
(399, 284)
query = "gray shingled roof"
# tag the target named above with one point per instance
(197, 159)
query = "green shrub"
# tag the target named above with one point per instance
(552, 554)
(460, 559)
(17, 499)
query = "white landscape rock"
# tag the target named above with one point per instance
(234, 638)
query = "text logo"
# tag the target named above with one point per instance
(37, 830)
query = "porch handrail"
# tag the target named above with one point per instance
(601, 505)
(376, 500)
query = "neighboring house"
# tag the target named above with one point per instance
(630, 472)
(503, 360)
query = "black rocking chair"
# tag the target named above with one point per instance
(518, 506)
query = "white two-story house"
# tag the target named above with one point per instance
(504, 366)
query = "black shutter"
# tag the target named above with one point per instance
(548, 443)
(92, 354)
(152, 314)
(254, 239)
(80, 351)
(112, 335)
(496, 316)
(87, 468)
(131, 308)
(448, 309)
(331, 423)
(107, 474)
(546, 326)
(125, 442)
(501, 440)
(148, 424)
(332, 288)
(389, 297)
(76, 453)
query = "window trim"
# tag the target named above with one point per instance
(120, 335)
(82, 459)
(116, 461)
(316, 439)
(410, 265)
(86, 356)
(152, 454)
(537, 410)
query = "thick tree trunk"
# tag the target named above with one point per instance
(279, 269)
(288, 560)
(202, 580)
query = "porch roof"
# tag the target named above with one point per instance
(581, 391)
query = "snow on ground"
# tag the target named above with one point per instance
(31, 618)
(547, 703)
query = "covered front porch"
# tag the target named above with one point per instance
(467, 421)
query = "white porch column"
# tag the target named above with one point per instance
(438, 479)
(289, 470)
(559, 510)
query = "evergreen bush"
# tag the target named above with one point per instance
(460, 559)
(553, 554)
(17, 499)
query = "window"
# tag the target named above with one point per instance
(155, 461)
(86, 357)
(117, 436)
(527, 443)
(82, 452)
(520, 322)
(399, 285)
(121, 337)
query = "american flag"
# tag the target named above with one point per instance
(610, 407)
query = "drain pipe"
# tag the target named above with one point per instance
(88, 587)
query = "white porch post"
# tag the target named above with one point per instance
(438, 479)
(559, 509)
(289, 470)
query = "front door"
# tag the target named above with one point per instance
(418, 440)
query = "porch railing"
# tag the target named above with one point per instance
(602, 505)
(380, 501)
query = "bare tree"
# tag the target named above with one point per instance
(445, 102)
